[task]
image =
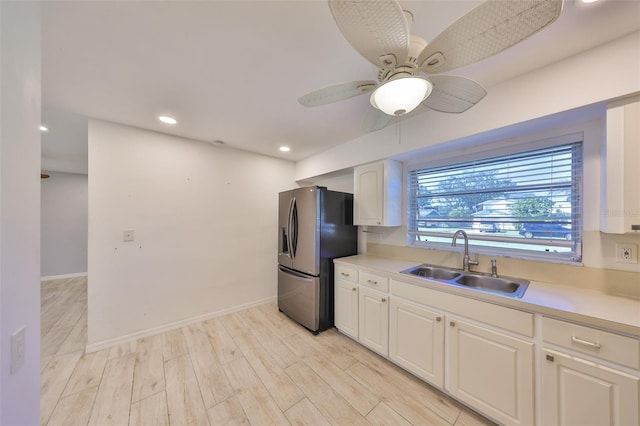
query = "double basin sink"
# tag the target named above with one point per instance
(507, 286)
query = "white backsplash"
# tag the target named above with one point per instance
(599, 270)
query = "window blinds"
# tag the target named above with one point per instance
(527, 201)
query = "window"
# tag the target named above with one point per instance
(526, 204)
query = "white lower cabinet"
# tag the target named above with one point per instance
(416, 340)
(483, 354)
(491, 371)
(580, 392)
(591, 379)
(374, 320)
(346, 307)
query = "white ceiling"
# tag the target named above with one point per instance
(233, 70)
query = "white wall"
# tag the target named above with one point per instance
(205, 220)
(64, 206)
(600, 74)
(20, 208)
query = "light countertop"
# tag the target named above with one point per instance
(588, 307)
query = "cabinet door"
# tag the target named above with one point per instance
(416, 340)
(374, 320)
(346, 308)
(578, 392)
(378, 194)
(491, 372)
(621, 201)
(369, 195)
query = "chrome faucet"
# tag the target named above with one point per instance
(494, 269)
(465, 260)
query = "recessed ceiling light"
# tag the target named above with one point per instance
(167, 120)
(588, 1)
(285, 149)
(44, 129)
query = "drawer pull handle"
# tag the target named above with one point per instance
(579, 341)
(452, 323)
(344, 274)
(438, 319)
(550, 358)
(372, 282)
(354, 289)
(384, 299)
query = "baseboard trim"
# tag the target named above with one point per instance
(63, 276)
(128, 338)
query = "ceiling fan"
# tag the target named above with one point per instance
(408, 67)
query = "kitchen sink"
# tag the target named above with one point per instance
(440, 274)
(499, 285)
(512, 287)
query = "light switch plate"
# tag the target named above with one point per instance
(626, 253)
(17, 349)
(128, 235)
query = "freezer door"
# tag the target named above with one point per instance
(298, 297)
(305, 239)
(285, 218)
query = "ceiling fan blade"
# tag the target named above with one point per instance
(337, 93)
(453, 94)
(375, 120)
(488, 29)
(377, 29)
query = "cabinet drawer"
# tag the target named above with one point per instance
(608, 346)
(374, 281)
(347, 274)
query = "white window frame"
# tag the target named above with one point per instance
(442, 240)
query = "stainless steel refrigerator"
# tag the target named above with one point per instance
(315, 226)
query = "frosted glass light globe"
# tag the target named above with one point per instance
(400, 96)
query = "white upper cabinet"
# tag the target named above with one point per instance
(378, 194)
(621, 202)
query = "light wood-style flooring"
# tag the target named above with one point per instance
(252, 367)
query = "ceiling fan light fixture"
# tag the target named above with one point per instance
(402, 95)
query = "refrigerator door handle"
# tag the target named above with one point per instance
(294, 228)
(296, 274)
(288, 236)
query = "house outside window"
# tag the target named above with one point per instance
(524, 204)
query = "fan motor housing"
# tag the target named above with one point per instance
(395, 73)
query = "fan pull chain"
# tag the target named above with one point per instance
(398, 129)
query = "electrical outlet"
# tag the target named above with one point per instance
(626, 253)
(17, 349)
(128, 235)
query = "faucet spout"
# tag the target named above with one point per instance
(494, 269)
(465, 260)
